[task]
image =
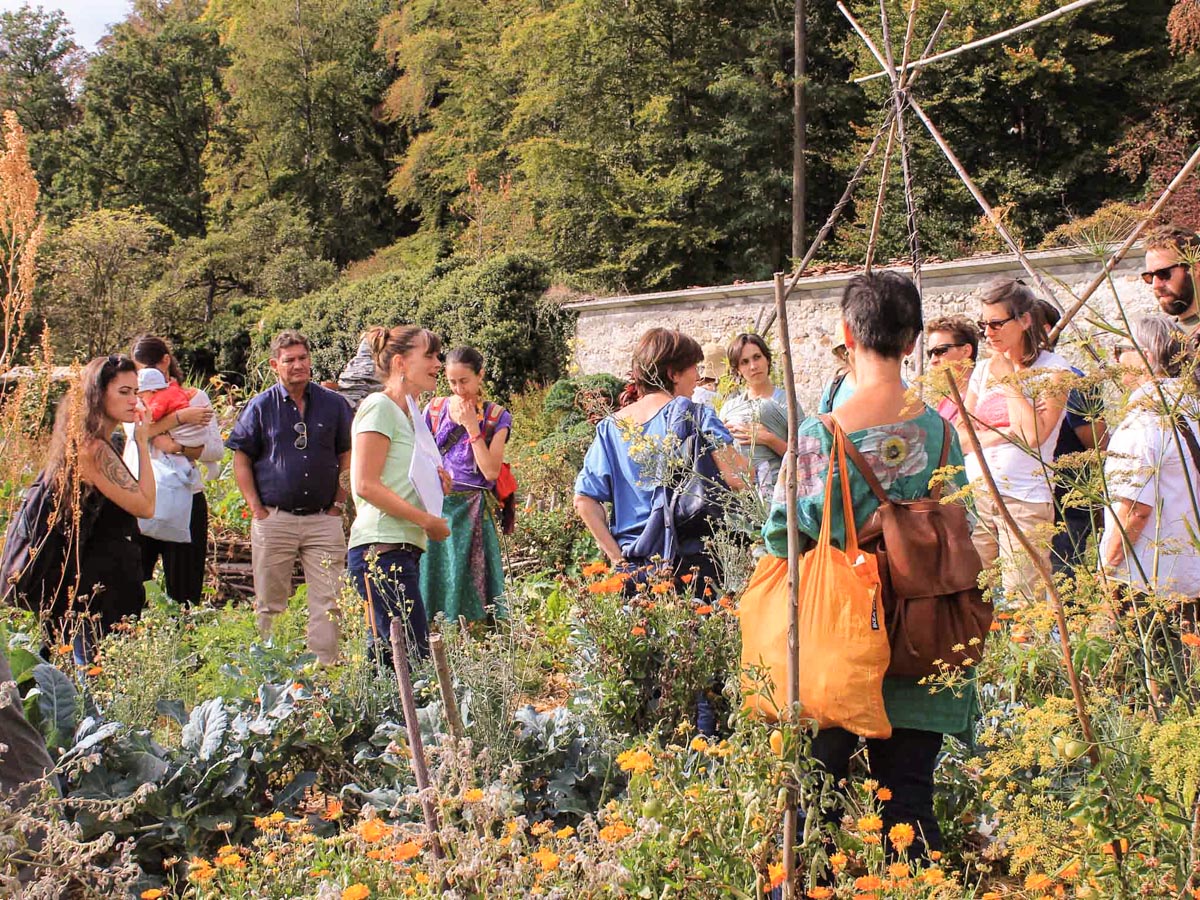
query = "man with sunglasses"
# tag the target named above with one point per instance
(290, 446)
(1171, 256)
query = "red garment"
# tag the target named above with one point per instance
(170, 399)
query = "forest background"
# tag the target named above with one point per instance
(215, 170)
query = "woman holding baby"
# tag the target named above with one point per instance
(182, 430)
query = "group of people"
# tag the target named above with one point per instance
(1025, 413)
(299, 451)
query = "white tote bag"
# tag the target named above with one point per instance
(172, 503)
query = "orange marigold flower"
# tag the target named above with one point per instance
(474, 795)
(357, 891)
(547, 859)
(565, 832)
(902, 836)
(636, 761)
(703, 610)
(898, 870)
(661, 587)
(599, 587)
(1191, 639)
(1070, 870)
(374, 830)
(637, 631)
(933, 876)
(599, 567)
(838, 861)
(868, 883)
(95, 670)
(935, 855)
(333, 810)
(615, 831)
(884, 794)
(1038, 881)
(153, 894)
(870, 823)
(819, 893)
(699, 744)
(1108, 848)
(995, 626)
(775, 875)
(405, 851)
(64, 649)
(725, 602)
(688, 578)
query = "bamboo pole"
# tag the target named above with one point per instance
(834, 215)
(413, 726)
(983, 42)
(877, 218)
(1116, 258)
(437, 649)
(791, 815)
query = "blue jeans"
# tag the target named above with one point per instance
(395, 592)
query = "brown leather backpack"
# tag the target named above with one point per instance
(929, 570)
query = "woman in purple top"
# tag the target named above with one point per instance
(464, 575)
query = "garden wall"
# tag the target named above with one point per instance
(608, 327)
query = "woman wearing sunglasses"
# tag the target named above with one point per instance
(1018, 412)
(953, 343)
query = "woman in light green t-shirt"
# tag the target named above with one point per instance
(392, 527)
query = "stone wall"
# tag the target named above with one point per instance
(608, 327)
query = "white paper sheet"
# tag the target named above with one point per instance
(426, 460)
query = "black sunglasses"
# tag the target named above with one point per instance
(942, 349)
(1164, 273)
(992, 324)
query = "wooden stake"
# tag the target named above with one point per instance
(1043, 570)
(413, 726)
(437, 649)
(791, 813)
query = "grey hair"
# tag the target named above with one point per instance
(1162, 342)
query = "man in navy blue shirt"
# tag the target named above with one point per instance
(290, 446)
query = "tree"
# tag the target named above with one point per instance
(266, 251)
(40, 68)
(100, 267)
(306, 81)
(152, 107)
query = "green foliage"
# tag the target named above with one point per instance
(100, 266)
(306, 79)
(150, 112)
(495, 306)
(39, 65)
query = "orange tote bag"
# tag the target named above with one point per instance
(763, 615)
(841, 640)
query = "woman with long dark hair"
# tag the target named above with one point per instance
(464, 574)
(97, 493)
(183, 562)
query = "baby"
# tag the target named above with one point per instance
(164, 398)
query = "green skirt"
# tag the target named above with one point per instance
(464, 574)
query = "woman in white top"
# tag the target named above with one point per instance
(756, 415)
(1017, 416)
(183, 562)
(1147, 544)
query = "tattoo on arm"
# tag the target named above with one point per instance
(112, 468)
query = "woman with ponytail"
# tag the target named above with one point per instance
(392, 528)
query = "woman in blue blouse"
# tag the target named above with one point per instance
(664, 373)
(901, 439)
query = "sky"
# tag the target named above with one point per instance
(89, 18)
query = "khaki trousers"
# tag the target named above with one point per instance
(320, 543)
(994, 540)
